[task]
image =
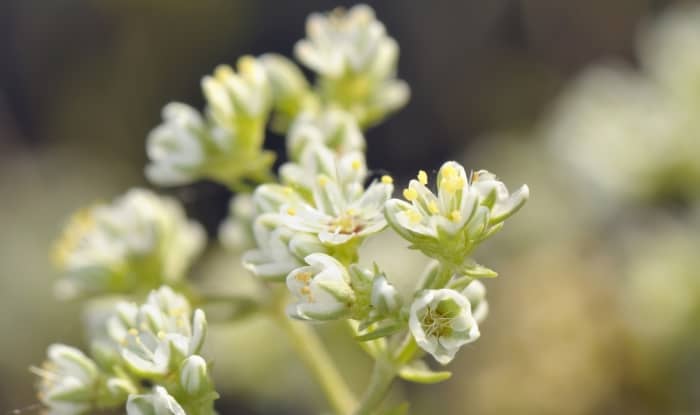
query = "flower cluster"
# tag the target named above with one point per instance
(158, 341)
(136, 243)
(356, 63)
(465, 211)
(303, 229)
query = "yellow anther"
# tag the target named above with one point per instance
(423, 177)
(222, 72)
(133, 332)
(455, 216)
(351, 212)
(413, 216)
(410, 194)
(433, 207)
(452, 184)
(322, 181)
(356, 164)
(474, 176)
(291, 211)
(386, 179)
(448, 171)
(161, 335)
(287, 190)
(305, 290)
(304, 277)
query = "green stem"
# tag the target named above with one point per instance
(314, 355)
(382, 377)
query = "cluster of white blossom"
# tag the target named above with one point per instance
(303, 229)
(136, 243)
(158, 341)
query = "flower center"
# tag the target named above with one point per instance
(346, 223)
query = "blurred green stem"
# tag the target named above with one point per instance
(308, 346)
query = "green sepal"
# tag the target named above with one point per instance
(419, 372)
(384, 331)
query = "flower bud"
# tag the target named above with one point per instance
(385, 299)
(322, 289)
(193, 375)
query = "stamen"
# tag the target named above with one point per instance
(422, 177)
(386, 179)
(433, 207)
(410, 194)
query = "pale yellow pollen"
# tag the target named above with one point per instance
(448, 171)
(455, 216)
(452, 184)
(423, 177)
(413, 216)
(222, 72)
(433, 207)
(161, 335)
(304, 277)
(410, 194)
(287, 190)
(322, 181)
(305, 290)
(356, 164)
(133, 332)
(386, 179)
(291, 211)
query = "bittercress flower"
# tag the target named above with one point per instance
(138, 242)
(441, 322)
(465, 211)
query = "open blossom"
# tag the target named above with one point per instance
(441, 322)
(158, 402)
(341, 208)
(138, 241)
(279, 249)
(356, 62)
(68, 381)
(156, 337)
(465, 211)
(322, 289)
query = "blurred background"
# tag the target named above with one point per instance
(592, 103)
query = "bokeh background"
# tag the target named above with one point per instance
(597, 310)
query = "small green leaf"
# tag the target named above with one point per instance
(475, 270)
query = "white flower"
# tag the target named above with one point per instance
(476, 294)
(356, 61)
(279, 249)
(194, 376)
(226, 145)
(237, 97)
(332, 128)
(441, 322)
(157, 336)
(290, 90)
(133, 242)
(341, 210)
(384, 297)
(322, 289)
(158, 402)
(449, 225)
(68, 381)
